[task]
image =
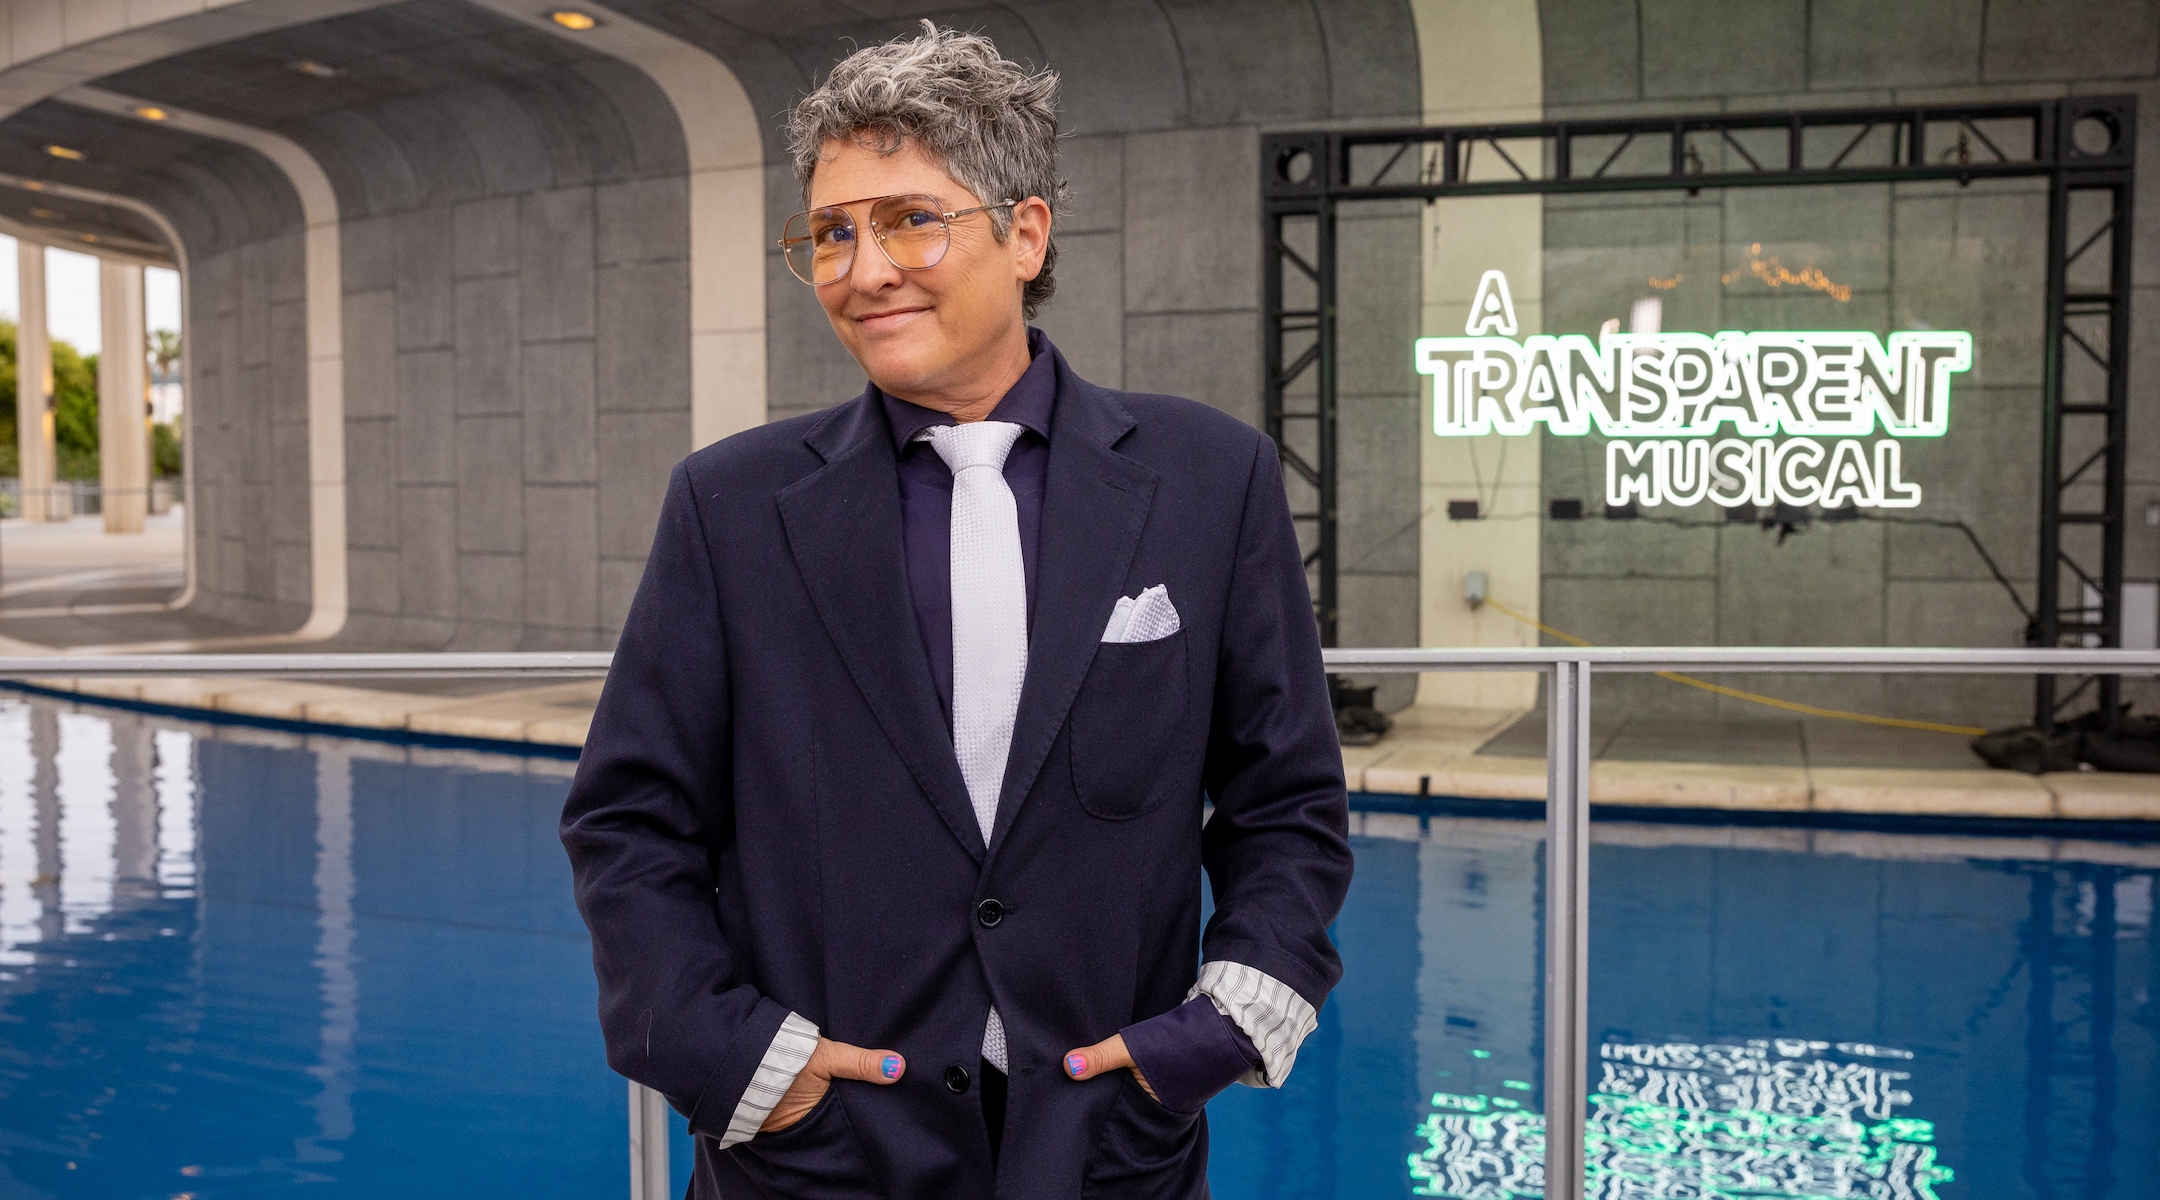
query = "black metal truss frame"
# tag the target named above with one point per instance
(2082, 145)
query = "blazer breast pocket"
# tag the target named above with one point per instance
(1126, 723)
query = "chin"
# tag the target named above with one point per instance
(900, 370)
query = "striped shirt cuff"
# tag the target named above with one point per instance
(1267, 1010)
(784, 1060)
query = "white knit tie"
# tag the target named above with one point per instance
(989, 623)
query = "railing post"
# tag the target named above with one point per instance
(648, 1144)
(1567, 920)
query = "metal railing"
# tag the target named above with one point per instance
(1567, 673)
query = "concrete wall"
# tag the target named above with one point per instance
(1916, 256)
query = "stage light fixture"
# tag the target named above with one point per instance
(572, 19)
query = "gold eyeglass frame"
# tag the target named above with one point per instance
(878, 234)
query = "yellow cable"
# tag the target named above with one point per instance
(1751, 697)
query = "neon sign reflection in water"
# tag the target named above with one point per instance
(1680, 390)
(1780, 1117)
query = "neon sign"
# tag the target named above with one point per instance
(1696, 416)
(1781, 1117)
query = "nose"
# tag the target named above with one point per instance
(873, 272)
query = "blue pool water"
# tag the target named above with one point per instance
(233, 962)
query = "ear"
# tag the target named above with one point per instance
(1030, 237)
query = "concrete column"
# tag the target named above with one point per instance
(123, 398)
(33, 383)
(1481, 61)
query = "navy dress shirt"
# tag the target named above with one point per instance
(1189, 1053)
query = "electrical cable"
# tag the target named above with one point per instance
(1751, 697)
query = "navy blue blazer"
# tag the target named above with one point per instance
(768, 814)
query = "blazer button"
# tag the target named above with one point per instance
(956, 1079)
(989, 913)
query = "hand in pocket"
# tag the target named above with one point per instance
(831, 1060)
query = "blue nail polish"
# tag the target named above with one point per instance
(892, 1066)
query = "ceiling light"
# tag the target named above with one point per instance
(66, 152)
(151, 112)
(90, 238)
(572, 19)
(33, 185)
(308, 66)
(44, 214)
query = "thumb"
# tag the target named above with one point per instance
(1109, 1054)
(843, 1061)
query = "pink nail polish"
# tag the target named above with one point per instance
(891, 1066)
(1076, 1064)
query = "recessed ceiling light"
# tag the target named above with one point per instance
(572, 19)
(151, 112)
(90, 237)
(66, 152)
(308, 66)
(44, 214)
(33, 185)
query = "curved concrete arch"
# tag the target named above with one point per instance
(325, 344)
(180, 262)
(727, 213)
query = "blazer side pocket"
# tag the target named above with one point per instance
(1147, 1152)
(1126, 723)
(816, 1156)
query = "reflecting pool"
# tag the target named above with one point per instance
(242, 962)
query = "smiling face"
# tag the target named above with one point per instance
(952, 336)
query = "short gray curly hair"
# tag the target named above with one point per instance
(990, 123)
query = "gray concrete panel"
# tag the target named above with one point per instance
(1086, 317)
(1378, 267)
(367, 254)
(644, 220)
(486, 237)
(1591, 52)
(1976, 259)
(556, 264)
(1372, 59)
(1738, 47)
(1623, 612)
(806, 367)
(490, 509)
(562, 560)
(289, 513)
(643, 350)
(289, 364)
(372, 581)
(427, 552)
(1192, 220)
(1598, 548)
(254, 304)
(646, 131)
(426, 314)
(1225, 46)
(1986, 472)
(636, 453)
(427, 406)
(1202, 356)
(2094, 39)
(371, 475)
(370, 354)
(1094, 171)
(559, 412)
(1862, 43)
(491, 590)
(488, 378)
(1378, 496)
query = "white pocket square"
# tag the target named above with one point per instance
(1147, 617)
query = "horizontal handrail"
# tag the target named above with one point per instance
(525, 664)
(1779, 659)
(1626, 659)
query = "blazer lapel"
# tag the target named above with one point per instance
(843, 528)
(1095, 503)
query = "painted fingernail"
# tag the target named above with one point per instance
(891, 1066)
(1076, 1064)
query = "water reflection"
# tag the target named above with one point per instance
(1775, 1013)
(233, 960)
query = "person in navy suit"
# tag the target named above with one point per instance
(933, 708)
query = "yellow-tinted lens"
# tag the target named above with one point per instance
(912, 229)
(820, 245)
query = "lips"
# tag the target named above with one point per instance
(887, 320)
